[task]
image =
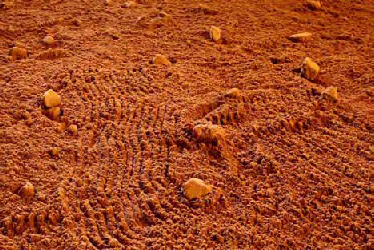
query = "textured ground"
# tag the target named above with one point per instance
(294, 171)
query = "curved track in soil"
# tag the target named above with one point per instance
(294, 171)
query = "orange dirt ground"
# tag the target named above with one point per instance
(290, 167)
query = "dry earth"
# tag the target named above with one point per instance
(290, 163)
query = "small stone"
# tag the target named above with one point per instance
(108, 2)
(301, 37)
(18, 53)
(314, 5)
(51, 99)
(61, 127)
(215, 33)
(331, 92)
(233, 93)
(77, 22)
(73, 129)
(54, 151)
(161, 60)
(29, 121)
(48, 40)
(53, 113)
(309, 69)
(129, 4)
(27, 191)
(196, 188)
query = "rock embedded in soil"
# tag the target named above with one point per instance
(54, 151)
(129, 4)
(331, 92)
(51, 99)
(27, 191)
(309, 69)
(215, 33)
(161, 60)
(300, 37)
(48, 40)
(73, 129)
(314, 5)
(196, 188)
(18, 53)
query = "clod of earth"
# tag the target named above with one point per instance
(215, 33)
(161, 60)
(48, 40)
(108, 2)
(314, 5)
(51, 99)
(209, 133)
(27, 191)
(196, 188)
(300, 37)
(331, 92)
(309, 69)
(18, 53)
(73, 129)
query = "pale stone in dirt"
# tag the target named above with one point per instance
(129, 4)
(73, 129)
(161, 60)
(49, 40)
(309, 69)
(51, 99)
(54, 151)
(300, 37)
(215, 33)
(314, 5)
(27, 191)
(331, 92)
(196, 188)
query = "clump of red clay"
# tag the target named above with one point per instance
(280, 153)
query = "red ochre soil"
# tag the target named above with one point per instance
(291, 170)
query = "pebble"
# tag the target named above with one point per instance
(309, 69)
(233, 93)
(314, 5)
(54, 151)
(300, 37)
(73, 129)
(331, 92)
(215, 33)
(51, 99)
(196, 188)
(27, 191)
(161, 60)
(49, 40)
